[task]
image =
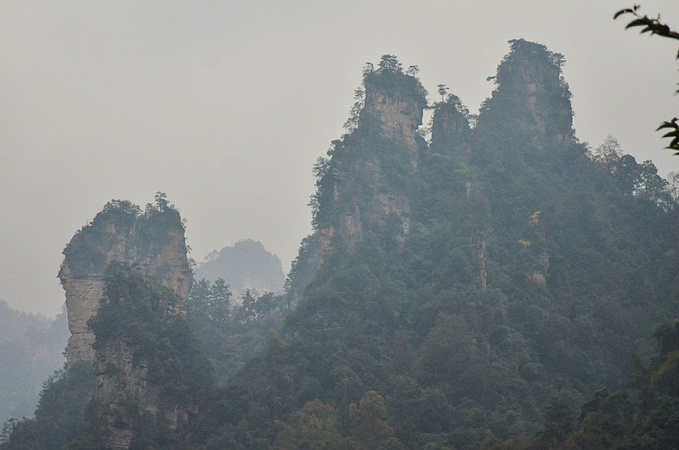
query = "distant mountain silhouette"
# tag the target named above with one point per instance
(245, 265)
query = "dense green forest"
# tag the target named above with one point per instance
(231, 332)
(500, 285)
(533, 270)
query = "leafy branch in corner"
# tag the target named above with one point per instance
(654, 26)
(673, 133)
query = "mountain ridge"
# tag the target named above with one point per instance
(453, 294)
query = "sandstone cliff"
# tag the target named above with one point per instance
(129, 330)
(449, 167)
(395, 101)
(532, 98)
(530, 112)
(154, 241)
(150, 374)
(364, 188)
(450, 129)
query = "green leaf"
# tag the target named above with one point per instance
(621, 12)
(671, 124)
(637, 23)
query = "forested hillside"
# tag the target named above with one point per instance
(464, 285)
(497, 285)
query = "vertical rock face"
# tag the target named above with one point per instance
(150, 377)
(364, 184)
(450, 130)
(532, 97)
(398, 114)
(480, 251)
(366, 170)
(127, 391)
(120, 425)
(128, 396)
(521, 128)
(154, 241)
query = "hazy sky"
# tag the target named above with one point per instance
(225, 105)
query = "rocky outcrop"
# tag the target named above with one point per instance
(154, 241)
(363, 187)
(363, 184)
(532, 97)
(150, 374)
(130, 400)
(450, 130)
(398, 114)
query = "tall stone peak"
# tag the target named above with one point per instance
(383, 149)
(362, 186)
(152, 240)
(531, 95)
(394, 101)
(450, 128)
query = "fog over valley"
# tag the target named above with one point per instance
(339, 225)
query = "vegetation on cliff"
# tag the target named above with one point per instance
(529, 272)
(643, 416)
(121, 233)
(165, 374)
(141, 314)
(477, 291)
(121, 222)
(86, 254)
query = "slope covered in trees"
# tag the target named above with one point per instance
(463, 285)
(148, 381)
(645, 415)
(475, 290)
(231, 331)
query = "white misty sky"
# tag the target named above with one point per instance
(226, 105)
